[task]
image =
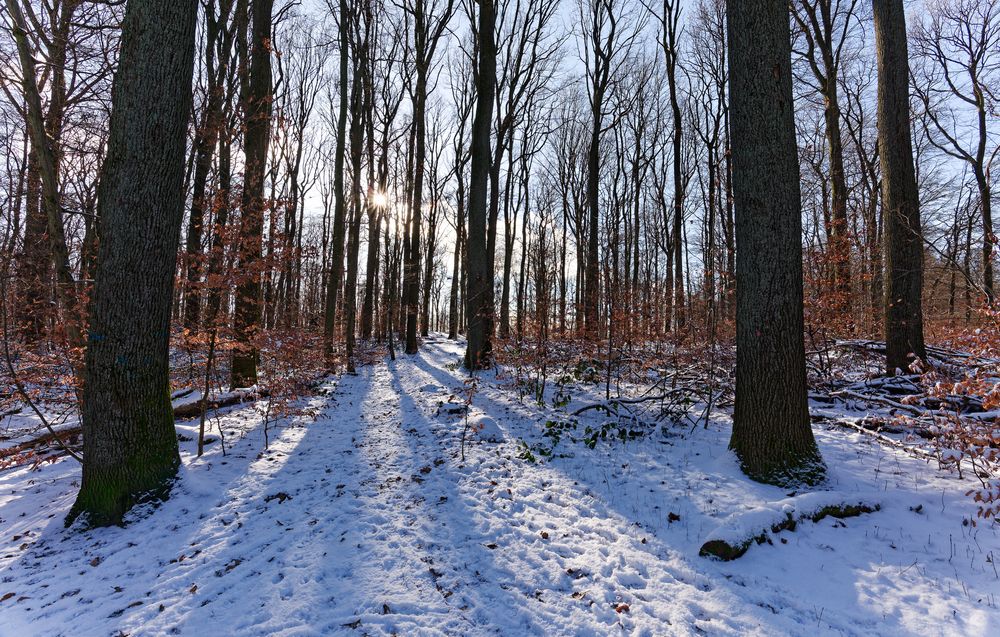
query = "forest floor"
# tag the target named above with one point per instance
(361, 518)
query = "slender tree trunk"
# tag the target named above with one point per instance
(217, 257)
(989, 238)
(840, 239)
(35, 267)
(130, 446)
(771, 428)
(592, 292)
(336, 273)
(411, 274)
(48, 166)
(354, 231)
(904, 333)
(205, 142)
(257, 107)
(371, 271)
(457, 262)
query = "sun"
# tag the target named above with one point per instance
(379, 199)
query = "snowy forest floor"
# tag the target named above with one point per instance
(362, 519)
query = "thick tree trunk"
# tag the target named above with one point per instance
(247, 320)
(771, 428)
(904, 333)
(479, 262)
(130, 446)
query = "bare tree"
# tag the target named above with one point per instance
(429, 20)
(825, 25)
(257, 107)
(480, 281)
(610, 29)
(904, 334)
(958, 60)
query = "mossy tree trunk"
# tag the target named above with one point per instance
(130, 446)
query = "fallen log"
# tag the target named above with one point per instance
(192, 409)
(71, 435)
(740, 531)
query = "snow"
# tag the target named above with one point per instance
(364, 520)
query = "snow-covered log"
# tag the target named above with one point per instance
(740, 531)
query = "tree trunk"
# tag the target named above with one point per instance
(904, 332)
(354, 230)
(771, 428)
(986, 203)
(840, 241)
(48, 166)
(35, 266)
(411, 269)
(591, 309)
(130, 446)
(257, 107)
(479, 262)
(371, 271)
(205, 142)
(457, 262)
(340, 204)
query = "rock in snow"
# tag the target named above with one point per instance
(488, 430)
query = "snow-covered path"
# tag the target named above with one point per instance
(366, 521)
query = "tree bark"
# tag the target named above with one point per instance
(771, 428)
(257, 109)
(130, 446)
(340, 200)
(479, 263)
(904, 333)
